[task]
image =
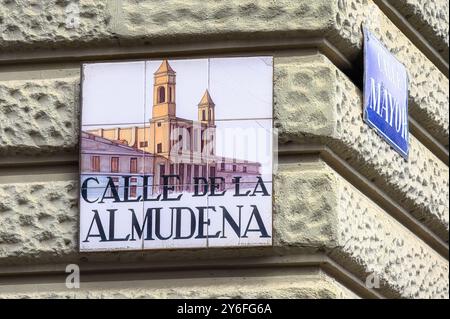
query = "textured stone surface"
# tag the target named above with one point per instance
(178, 18)
(38, 116)
(358, 232)
(420, 184)
(36, 24)
(388, 250)
(428, 87)
(39, 24)
(430, 18)
(305, 284)
(146, 22)
(306, 216)
(38, 219)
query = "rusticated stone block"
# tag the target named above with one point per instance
(38, 116)
(311, 90)
(206, 19)
(73, 23)
(386, 249)
(34, 24)
(355, 231)
(430, 18)
(304, 216)
(38, 219)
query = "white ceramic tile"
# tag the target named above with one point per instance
(241, 220)
(191, 83)
(118, 98)
(179, 221)
(99, 215)
(247, 148)
(113, 93)
(241, 87)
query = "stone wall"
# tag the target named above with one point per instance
(346, 205)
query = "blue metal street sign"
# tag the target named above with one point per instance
(385, 94)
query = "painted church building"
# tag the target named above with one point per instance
(169, 144)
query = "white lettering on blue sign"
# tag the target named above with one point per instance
(385, 94)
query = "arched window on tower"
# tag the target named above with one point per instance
(170, 97)
(161, 94)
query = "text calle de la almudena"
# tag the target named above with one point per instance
(198, 218)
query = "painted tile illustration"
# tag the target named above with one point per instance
(159, 172)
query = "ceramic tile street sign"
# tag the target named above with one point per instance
(385, 94)
(176, 154)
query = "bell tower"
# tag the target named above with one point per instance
(164, 92)
(206, 116)
(164, 110)
(206, 112)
